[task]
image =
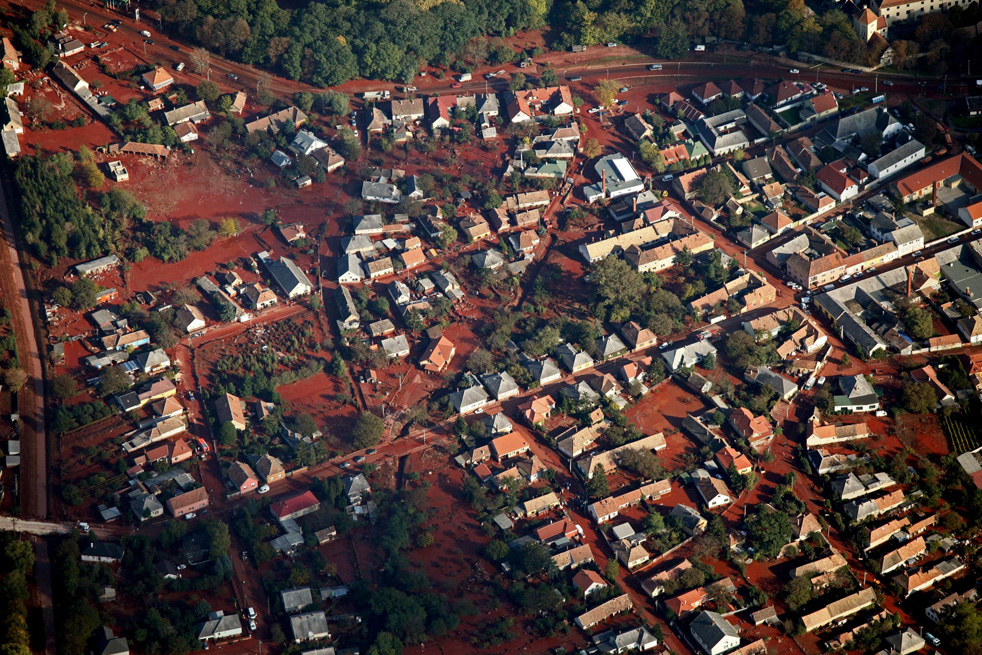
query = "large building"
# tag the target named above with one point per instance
(896, 11)
(617, 178)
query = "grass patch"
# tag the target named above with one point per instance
(967, 122)
(962, 434)
(791, 115)
(936, 226)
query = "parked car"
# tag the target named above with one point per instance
(371, 451)
(359, 459)
(189, 516)
(611, 45)
(794, 71)
(887, 83)
(175, 48)
(575, 78)
(263, 489)
(179, 67)
(344, 465)
(654, 67)
(952, 239)
(84, 527)
(593, 110)
(144, 33)
(918, 253)
(233, 76)
(252, 613)
(456, 85)
(931, 639)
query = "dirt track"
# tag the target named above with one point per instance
(34, 490)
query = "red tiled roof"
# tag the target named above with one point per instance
(285, 508)
(963, 164)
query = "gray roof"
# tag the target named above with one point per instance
(497, 423)
(581, 391)
(687, 355)
(396, 346)
(757, 168)
(296, 599)
(380, 192)
(856, 387)
(611, 344)
(312, 625)
(350, 265)
(357, 244)
(196, 111)
(499, 384)
(356, 485)
(368, 223)
(874, 118)
(544, 370)
(710, 628)
(289, 276)
(573, 358)
(465, 398)
(219, 623)
(898, 154)
(152, 359)
(489, 259)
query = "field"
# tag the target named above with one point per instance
(962, 435)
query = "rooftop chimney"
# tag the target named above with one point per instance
(603, 178)
(635, 204)
(910, 279)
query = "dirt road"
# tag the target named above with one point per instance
(34, 460)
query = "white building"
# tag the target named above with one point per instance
(897, 160)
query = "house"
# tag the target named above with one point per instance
(925, 578)
(524, 242)
(611, 346)
(723, 134)
(757, 170)
(196, 112)
(438, 108)
(356, 488)
(270, 468)
(295, 506)
(636, 337)
(928, 375)
(467, 400)
(899, 557)
(730, 456)
(220, 626)
(288, 276)
(573, 359)
(190, 319)
(309, 627)
(291, 116)
(869, 24)
(381, 192)
(242, 479)
(535, 506)
(714, 634)
(687, 602)
(410, 109)
(108, 642)
(187, 502)
(328, 159)
(971, 329)
(536, 410)
(617, 178)
(296, 599)
(509, 445)
(693, 522)
(103, 552)
(819, 107)
(897, 159)
(604, 611)
(589, 582)
(258, 296)
(412, 258)
(839, 609)
(395, 347)
(438, 355)
(573, 558)
(713, 492)
(368, 224)
(706, 93)
(534, 104)
(836, 183)
(500, 385)
(607, 508)
(630, 555)
(490, 260)
(636, 127)
(11, 56)
(157, 79)
(543, 371)
(689, 355)
(228, 409)
(856, 395)
(180, 451)
(306, 143)
(937, 610)
(610, 459)
(776, 222)
(474, 228)
(145, 506)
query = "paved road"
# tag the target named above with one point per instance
(40, 528)
(34, 460)
(42, 571)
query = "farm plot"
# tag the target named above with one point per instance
(962, 435)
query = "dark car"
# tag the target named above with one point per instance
(359, 459)
(371, 451)
(176, 48)
(233, 76)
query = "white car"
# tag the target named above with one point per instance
(667, 178)
(263, 489)
(887, 83)
(593, 110)
(794, 71)
(252, 625)
(189, 516)
(952, 239)
(145, 33)
(252, 613)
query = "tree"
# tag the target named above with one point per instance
(305, 424)
(199, 60)
(114, 380)
(961, 627)
(715, 188)
(84, 291)
(227, 434)
(348, 145)
(63, 386)
(592, 148)
(517, 82)
(548, 78)
(611, 570)
(335, 103)
(651, 155)
(368, 430)
(798, 593)
(605, 92)
(919, 322)
(200, 234)
(598, 487)
(219, 541)
(90, 175)
(917, 397)
(207, 91)
(905, 54)
(229, 227)
(709, 361)
(642, 462)
(496, 550)
(15, 378)
(674, 40)
(768, 532)
(739, 347)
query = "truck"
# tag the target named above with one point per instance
(700, 48)
(579, 48)
(376, 95)
(878, 99)
(464, 77)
